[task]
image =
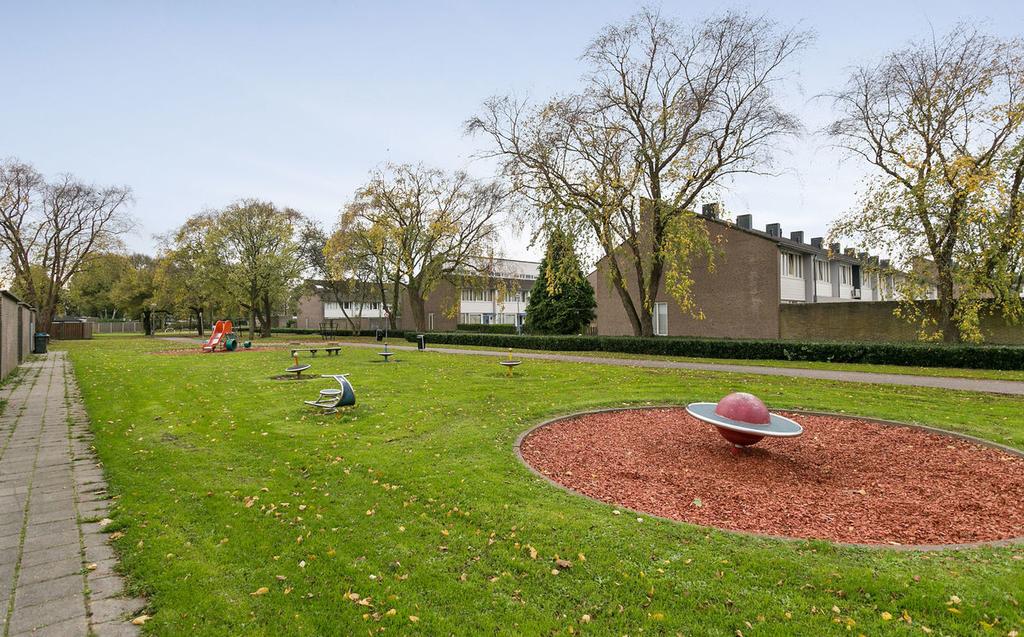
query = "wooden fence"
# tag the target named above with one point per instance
(70, 330)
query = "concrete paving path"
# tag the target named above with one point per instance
(1012, 387)
(56, 568)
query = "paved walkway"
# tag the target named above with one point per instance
(56, 571)
(1012, 387)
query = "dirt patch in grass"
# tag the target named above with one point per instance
(844, 480)
(198, 350)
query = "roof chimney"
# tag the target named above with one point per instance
(774, 229)
(797, 235)
(835, 248)
(850, 252)
(885, 263)
(863, 256)
(818, 242)
(712, 210)
(745, 221)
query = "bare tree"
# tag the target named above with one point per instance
(942, 122)
(420, 226)
(667, 113)
(54, 229)
(338, 269)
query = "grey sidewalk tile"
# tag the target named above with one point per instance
(116, 629)
(105, 587)
(46, 614)
(75, 627)
(63, 567)
(105, 610)
(48, 590)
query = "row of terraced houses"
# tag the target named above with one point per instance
(756, 275)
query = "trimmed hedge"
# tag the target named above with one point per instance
(908, 354)
(486, 329)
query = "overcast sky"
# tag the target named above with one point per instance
(195, 104)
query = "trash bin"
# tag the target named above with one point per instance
(42, 338)
(421, 342)
(379, 336)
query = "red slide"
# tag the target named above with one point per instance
(218, 335)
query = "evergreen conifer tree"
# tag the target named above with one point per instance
(561, 300)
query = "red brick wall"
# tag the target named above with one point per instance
(740, 299)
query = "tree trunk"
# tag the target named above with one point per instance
(252, 322)
(418, 307)
(267, 316)
(627, 300)
(948, 325)
(199, 319)
(147, 322)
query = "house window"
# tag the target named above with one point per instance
(660, 318)
(330, 306)
(792, 265)
(471, 294)
(845, 275)
(821, 271)
(347, 305)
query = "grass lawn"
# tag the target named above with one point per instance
(245, 513)
(952, 372)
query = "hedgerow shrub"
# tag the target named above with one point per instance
(908, 354)
(486, 329)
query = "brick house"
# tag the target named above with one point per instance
(755, 272)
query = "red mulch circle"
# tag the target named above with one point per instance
(844, 480)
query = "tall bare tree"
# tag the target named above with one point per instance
(942, 123)
(667, 112)
(338, 270)
(421, 226)
(55, 228)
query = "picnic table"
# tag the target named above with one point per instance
(313, 350)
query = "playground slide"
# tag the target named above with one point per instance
(215, 338)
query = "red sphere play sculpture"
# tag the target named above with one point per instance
(744, 420)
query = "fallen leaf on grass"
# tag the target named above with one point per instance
(262, 590)
(140, 620)
(413, 618)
